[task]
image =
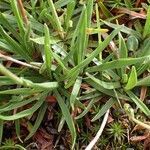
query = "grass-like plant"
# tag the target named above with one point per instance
(116, 131)
(56, 48)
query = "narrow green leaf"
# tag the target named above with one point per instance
(146, 30)
(128, 3)
(40, 40)
(98, 25)
(144, 82)
(36, 25)
(47, 50)
(46, 85)
(118, 64)
(67, 117)
(26, 40)
(69, 13)
(124, 29)
(1, 130)
(144, 49)
(16, 104)
(72, 80)
(104, 108)
(60, 61)
(100, 48)
(38, 121)
(20, 91)
(105, 91)
(17, 127)
(142, 68)
(138, 26)
(61, 124)
(16, 47)
(57, 21)
(132, 81)
(123, 52)
(89, 12)
(75, 91)
(139, 103)
(90, 95)
(24, 113)
(18, 16)
(105, 11)
(80, 44)
(5, 46)
(8, 26)
(106, 85)
(86, 110)
(16, 147)
(52, 20)
(61, 3)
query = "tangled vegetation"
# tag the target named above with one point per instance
(71, 67)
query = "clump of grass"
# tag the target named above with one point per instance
(117, 132)
(86, 61)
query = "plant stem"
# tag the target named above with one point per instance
(141, 123)
(28, 83)
(7, 73)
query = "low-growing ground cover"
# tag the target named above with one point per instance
(74, 74)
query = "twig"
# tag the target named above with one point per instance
(93, 142)
(17, 61)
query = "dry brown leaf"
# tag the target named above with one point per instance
(136, 128)
(44, 140)
(143, 90)
(51, 99)
(87, 121)
(138, 2)
(132, 13)
(139, 138)
(85, 86)
(110, 119)
(147, 144)
(143, 93)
